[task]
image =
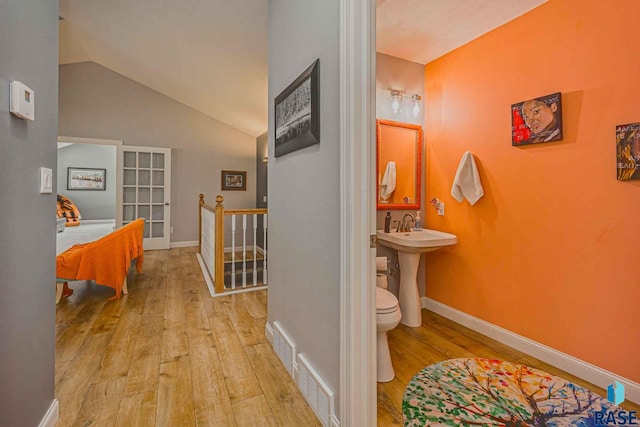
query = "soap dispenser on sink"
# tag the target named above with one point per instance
(387, 222)
(417, 226)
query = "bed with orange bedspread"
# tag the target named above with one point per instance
(105, 261)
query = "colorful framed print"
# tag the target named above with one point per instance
(537, 120)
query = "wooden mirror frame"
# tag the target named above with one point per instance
(418, 152)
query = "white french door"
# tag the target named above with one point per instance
(146, 192)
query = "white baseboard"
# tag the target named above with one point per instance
(315, 391)
(188, 244)
(240, 290)
(268, 332)
(51, 417)
(573, 365)
(284, 347)
(205, 274)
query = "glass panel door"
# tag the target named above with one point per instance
(146, 192)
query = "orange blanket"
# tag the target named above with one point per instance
(106, 260)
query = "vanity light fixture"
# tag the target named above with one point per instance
(416, 104)
(396, 99)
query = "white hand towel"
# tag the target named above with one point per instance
(388, 184)
(467, 181)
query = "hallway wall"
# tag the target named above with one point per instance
(29, 53)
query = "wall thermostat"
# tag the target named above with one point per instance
(22, 101)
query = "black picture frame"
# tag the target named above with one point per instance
(297, 113)
(234, 181)
(86, 179)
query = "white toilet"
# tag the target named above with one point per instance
(387, 317)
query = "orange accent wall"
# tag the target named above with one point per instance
(552, 251)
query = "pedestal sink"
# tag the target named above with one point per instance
(410, 247)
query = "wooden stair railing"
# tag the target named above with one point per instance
(219, 249)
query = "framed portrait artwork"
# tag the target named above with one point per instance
(234, 180)
(90, 179)
(297, 113)
(537, 120)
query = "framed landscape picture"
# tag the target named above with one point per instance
(86, 179)
(234, 180)
(537, 120)
(297, 113)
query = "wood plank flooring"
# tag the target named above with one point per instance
(439, 339)
(168, 354)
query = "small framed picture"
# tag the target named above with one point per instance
(234, 180)
(537, 120)
(86, 179)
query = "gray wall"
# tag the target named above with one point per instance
(396, 73)
(261, 170)
(92, 204)
(96, 102)
(304, 189)
(261, 179)
(29, 53)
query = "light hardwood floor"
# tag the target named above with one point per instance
(168, 354)
(439, 339)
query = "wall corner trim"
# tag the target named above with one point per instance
(51, 417)
(573, 365)
(357, 392)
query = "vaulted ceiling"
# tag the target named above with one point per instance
(212, 54)
(208, 54)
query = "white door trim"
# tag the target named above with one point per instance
(82, 140)
(357, 214)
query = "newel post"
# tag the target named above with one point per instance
(219, 258)
(200, 203)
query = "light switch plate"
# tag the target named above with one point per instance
(46, 180)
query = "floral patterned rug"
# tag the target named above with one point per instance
(483, 392)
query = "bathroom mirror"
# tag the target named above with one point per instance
(398, 164)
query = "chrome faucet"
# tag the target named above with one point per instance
(404, 227)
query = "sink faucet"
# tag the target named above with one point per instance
(404, 226)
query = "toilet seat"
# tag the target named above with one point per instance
(386, 302)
